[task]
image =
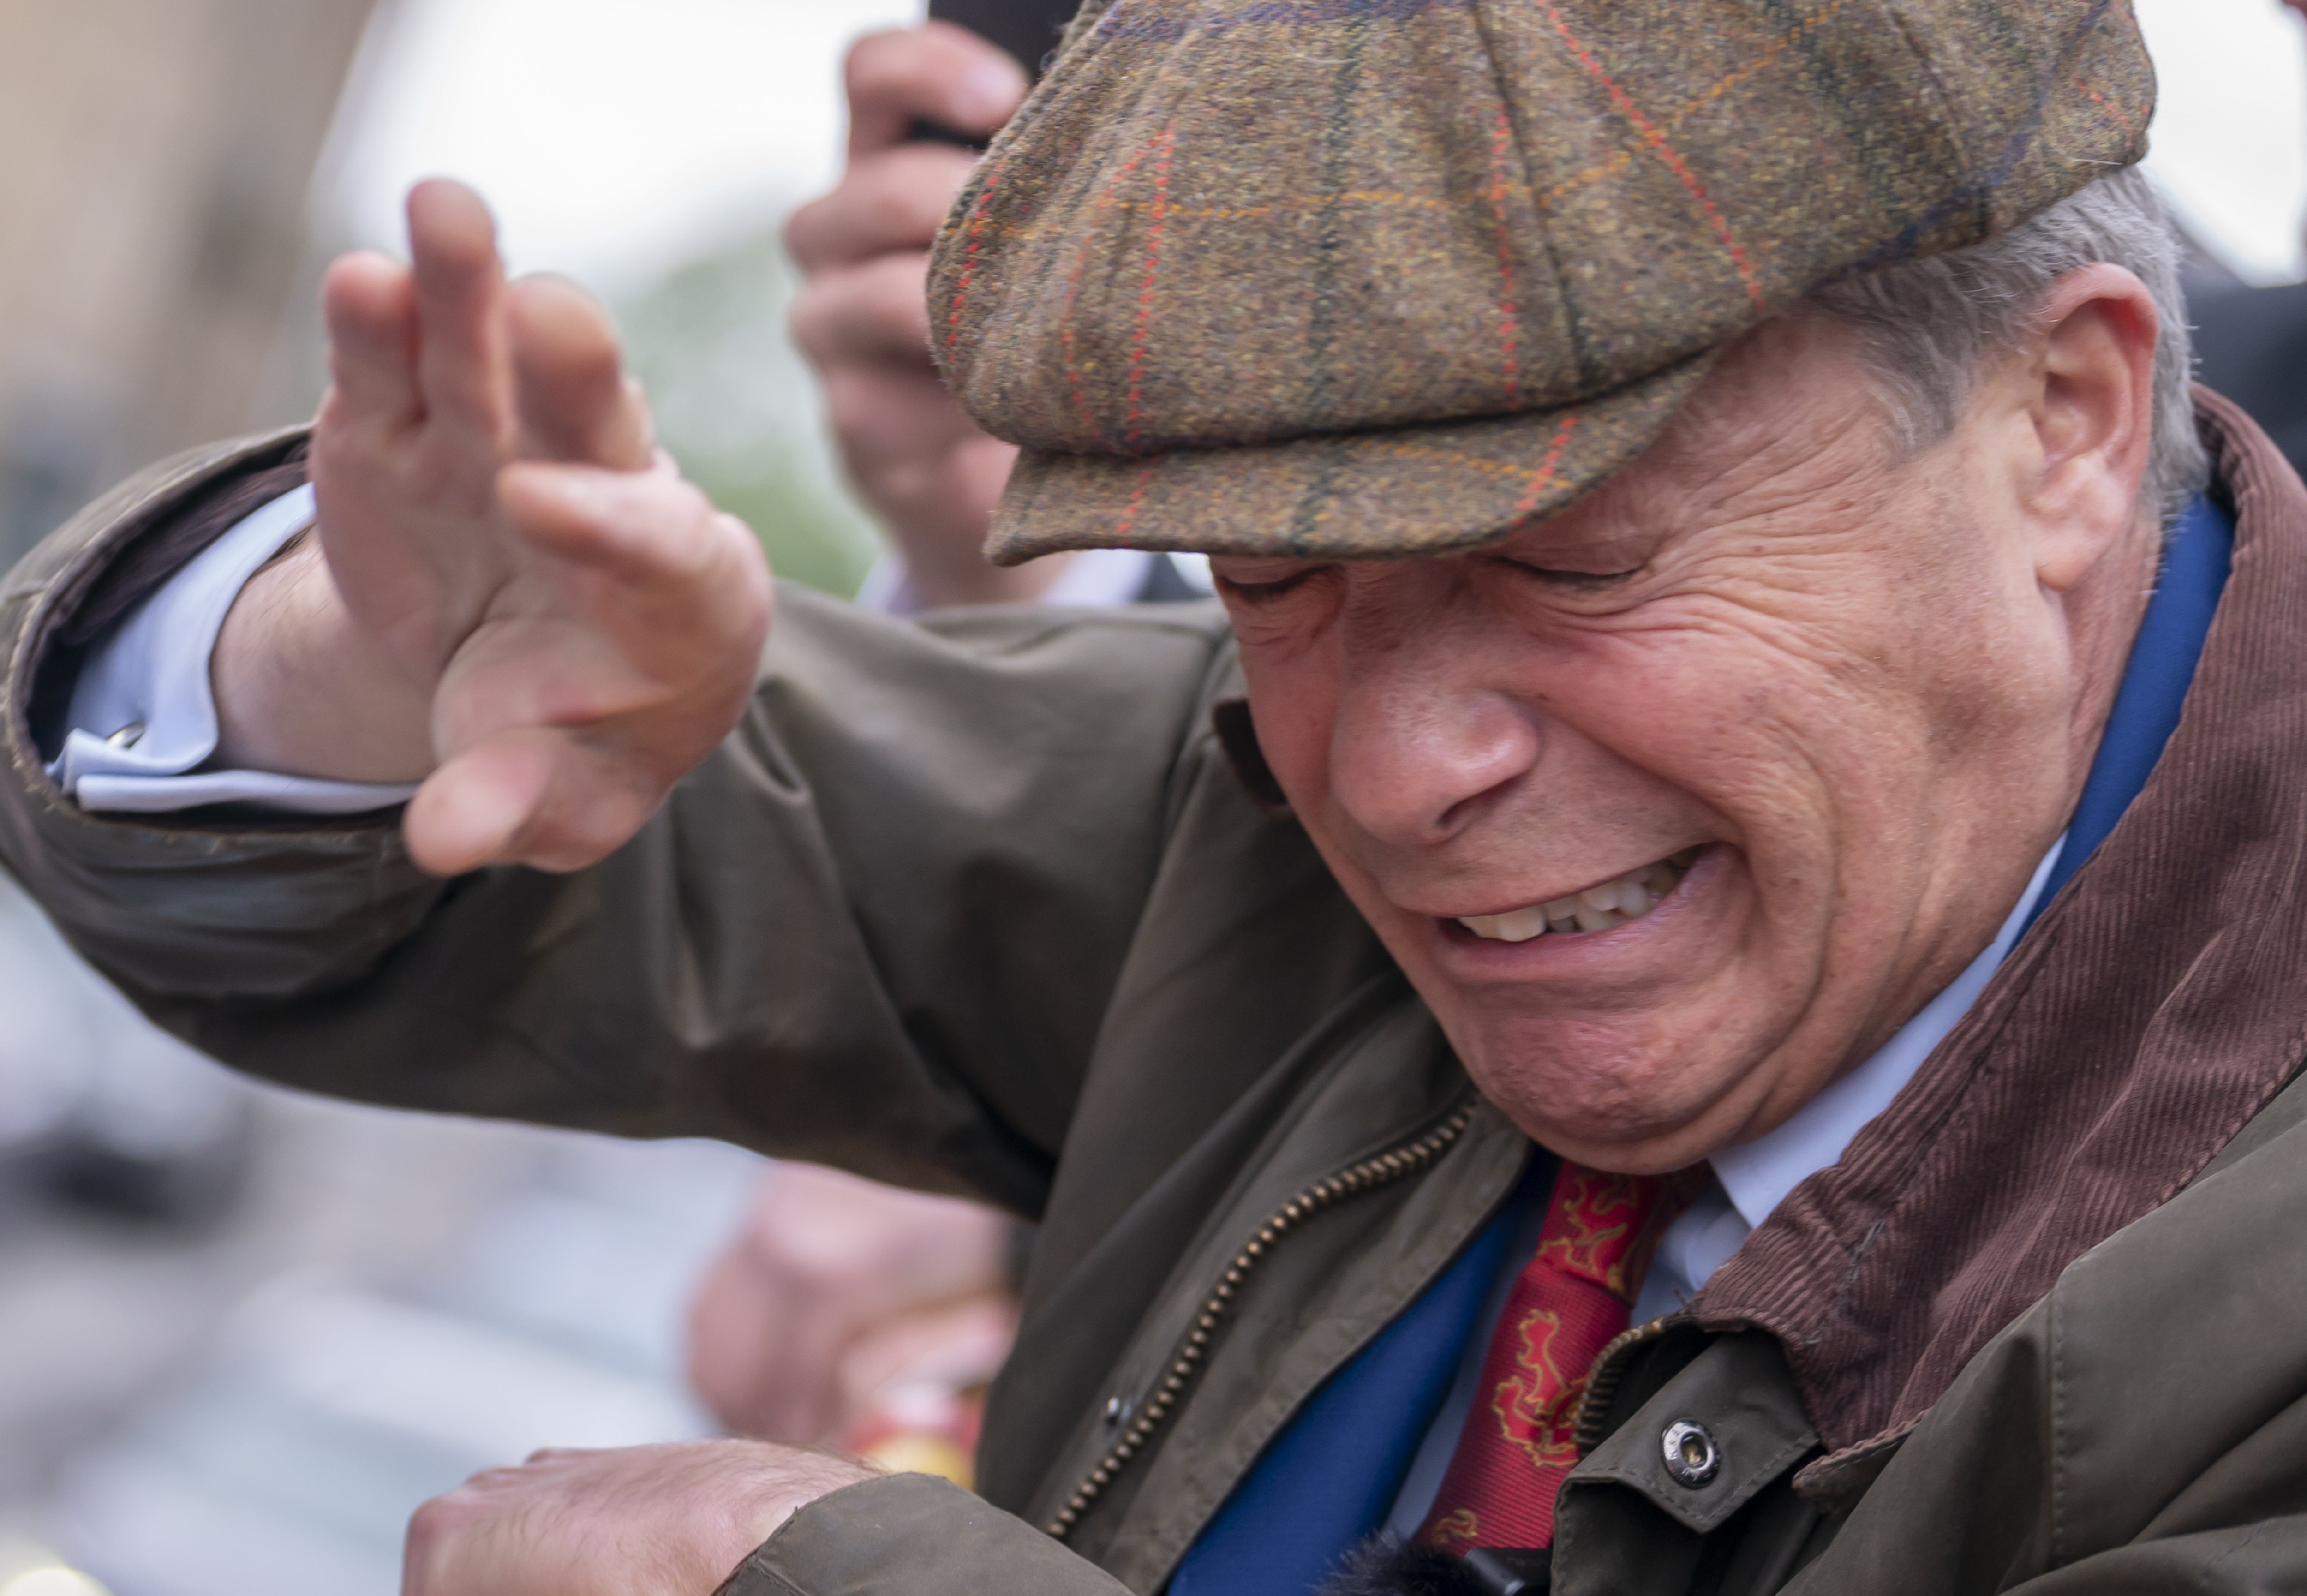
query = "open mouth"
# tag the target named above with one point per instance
(1620, 901)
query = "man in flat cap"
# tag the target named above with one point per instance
(1693, 989)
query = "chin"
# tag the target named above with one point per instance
(1637, 1105)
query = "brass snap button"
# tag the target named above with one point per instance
(1691, 1456)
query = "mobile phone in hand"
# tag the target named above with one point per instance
(1029, 29)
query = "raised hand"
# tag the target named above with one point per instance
(512, 596)
(917, 459)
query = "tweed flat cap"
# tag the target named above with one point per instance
(1365, 277)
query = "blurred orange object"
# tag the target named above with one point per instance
(922, 1428)
(916, 1387)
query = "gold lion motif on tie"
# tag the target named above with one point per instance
(1590, 1232)
(1537, 1404)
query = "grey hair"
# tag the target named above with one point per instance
(1930, 325)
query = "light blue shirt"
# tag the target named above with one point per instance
(1752, 1179)
(143, 714)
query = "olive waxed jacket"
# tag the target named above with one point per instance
(986, 905)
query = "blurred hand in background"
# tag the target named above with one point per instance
(927, 471)
(846, 1311)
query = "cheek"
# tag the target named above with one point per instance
(1293, 700)
(1710, 702)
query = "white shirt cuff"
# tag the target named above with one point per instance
(143, 714)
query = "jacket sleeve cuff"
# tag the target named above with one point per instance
(918, 1534)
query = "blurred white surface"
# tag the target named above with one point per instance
(617, 137)
(2230, 131)
(73, 1048)
(287, 1457)
(253, 1405)
(614, 137)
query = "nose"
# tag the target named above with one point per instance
(1421, 744)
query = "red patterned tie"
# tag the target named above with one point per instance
(1569, 1301)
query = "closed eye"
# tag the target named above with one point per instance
(1260, 593)
(1575, 581)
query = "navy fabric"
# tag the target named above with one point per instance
(2196, 558)
(1329, 1478)
(1332, 1475)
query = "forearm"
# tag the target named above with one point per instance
(300, 687)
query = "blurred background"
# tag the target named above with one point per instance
(244, 1333)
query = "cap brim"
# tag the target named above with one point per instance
(1427, 490)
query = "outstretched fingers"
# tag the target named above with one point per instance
(462, 372)
(649, 531)
(369, 302)
(678, 590)
(589, 622)
(573, 397)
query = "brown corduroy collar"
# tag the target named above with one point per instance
(2157, 1006)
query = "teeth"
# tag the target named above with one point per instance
(1614, 903)
(1520, 925)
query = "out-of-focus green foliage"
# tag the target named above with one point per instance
(737, 407)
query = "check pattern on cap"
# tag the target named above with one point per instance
(1362, 278)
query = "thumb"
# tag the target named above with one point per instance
(539, 796)
(472, 809)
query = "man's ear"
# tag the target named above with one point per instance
(2090, 399)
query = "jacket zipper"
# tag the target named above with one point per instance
(1590, 1419)
(1367, 1175)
